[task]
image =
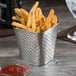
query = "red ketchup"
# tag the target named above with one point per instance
(15, 70)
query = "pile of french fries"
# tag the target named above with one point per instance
(34, 20)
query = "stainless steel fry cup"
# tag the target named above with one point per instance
(36, 48)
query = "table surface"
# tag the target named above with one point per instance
(64, 62)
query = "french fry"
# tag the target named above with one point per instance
(38, 29)
(42, 29)
(18, 12)
(28, 29)
(47, 26)
(33, 22)
(38, 17)
(29, 21)
(18, 27)
(32, 10)
(38, 14)
(22, 21)
(47, 23)
(42, 20)
(16, 24)
(34, 7)
(25, 13)
(50, 16)
(54, 20)
(16, 18)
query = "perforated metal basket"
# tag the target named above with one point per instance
(36, 48)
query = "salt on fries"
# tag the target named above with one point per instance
(34, 20)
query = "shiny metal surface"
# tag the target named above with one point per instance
(36, 48)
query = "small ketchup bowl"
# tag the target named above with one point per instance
(14, 68)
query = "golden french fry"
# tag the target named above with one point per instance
(38, 17)
(42, 29)
(50, 16)
(29, 21)
(38, 29)
(33, 21)
(38, 14)
(18, 11)
(32, 10)
(42, 20)
(41, 23)
(16, 18)
(22, 21)
(34, 7)
(19, 19)
(16, 24)
(47, 26)
(28, 29)
(18, 27)
(47, 23)
(25, 13)
(54, 20)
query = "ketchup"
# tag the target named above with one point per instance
(15, 70)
